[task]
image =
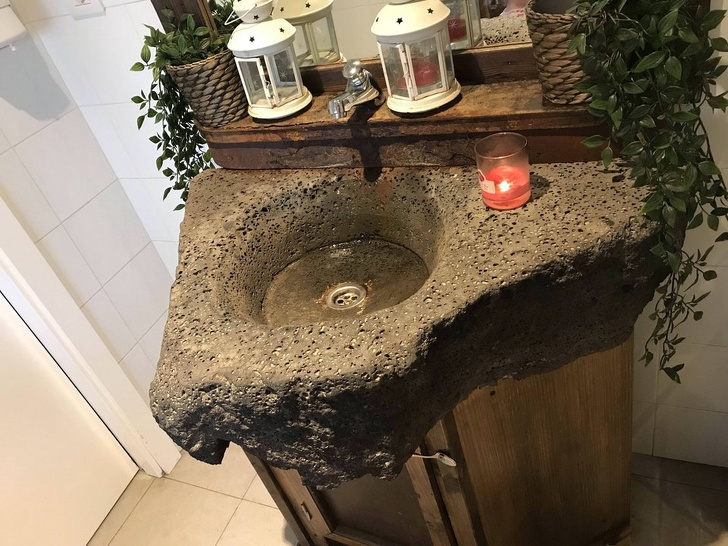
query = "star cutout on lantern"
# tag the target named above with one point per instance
(256, 17)
(252, 39)
(281, 10)
(399, 21)
(281, 29)
(430, 10)
(308, 5)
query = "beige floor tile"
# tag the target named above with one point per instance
(258, 493)
(121, 510)
(673, 514)
(232, 477)
(257, 525)
(172, 513)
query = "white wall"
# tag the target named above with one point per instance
(60, 185)
(690, 421)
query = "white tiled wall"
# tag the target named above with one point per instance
(57, 180)
(690, 421)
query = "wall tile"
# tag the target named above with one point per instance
(691, 435)
(4, 143)
(358, 42)
(157, 215)
(711, 329)
(140, 291)
(643, 425)
(95, 64)
(108, 323)
(97, 230)
(66, 162)
(108, 138)
(704, 379)
(151, 342)
(139, 370)
(29, 11)
(170, 255)
(65, 259)
(645, 377)
(141, 13)
(21, 194)
(35, 95)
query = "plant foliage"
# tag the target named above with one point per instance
(651, 67)
(182, 149)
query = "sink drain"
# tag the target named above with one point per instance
(345, 296)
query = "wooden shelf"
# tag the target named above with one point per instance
(373, 136)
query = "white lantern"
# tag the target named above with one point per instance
(263, 49)
(414, 48)
(315, 41)
(463, 25)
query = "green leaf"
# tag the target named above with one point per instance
(673, 66)
(140, 121)
(578, 44)
(607, 156)
(594, 141)
(649, 62)
(137, 67)
(146, 53)
(633, 148)
(674, 260)
(719, 44)
(667, 22)
(655, 202)
(709, 168)
(669, 214)
(712, 19)
(137, 100)
(632, 88)
(713, 222)
(696, 221)
(687, 35)
(682, 117)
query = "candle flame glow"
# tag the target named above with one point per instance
(504, 186)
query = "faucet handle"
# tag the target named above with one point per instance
(355, 73)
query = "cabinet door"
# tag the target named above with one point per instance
(406, 511)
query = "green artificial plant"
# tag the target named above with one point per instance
(182, 149)
(651, 69)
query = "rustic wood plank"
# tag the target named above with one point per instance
(352, 537)
(549, 456)
(307, 509)
(279, 496)
(431, 505)
(455, 485)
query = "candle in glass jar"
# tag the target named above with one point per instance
(503, 171)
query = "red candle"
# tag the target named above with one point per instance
(505, 187)
(503, 170)
(425, 74)
(457, 29)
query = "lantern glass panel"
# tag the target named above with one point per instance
(425, 65)
(252, 73)
(457, 24)
(326, 46)
(475, 29)
(392, 59)
(302, 47)
(283, 70)
(449, 68)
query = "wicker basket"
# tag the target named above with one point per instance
(558, 70)
(212, 88)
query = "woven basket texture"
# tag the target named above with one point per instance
(558, 70)
(212, 88)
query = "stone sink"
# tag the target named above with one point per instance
(325, 323)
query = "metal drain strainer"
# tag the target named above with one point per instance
(345, 296)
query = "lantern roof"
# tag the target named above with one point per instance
(301, 11)
(263, 38)
(403, 20)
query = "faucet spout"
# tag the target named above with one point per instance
(359, 89)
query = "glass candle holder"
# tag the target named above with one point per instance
(503, 170)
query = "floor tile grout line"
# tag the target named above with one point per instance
(681, 483)
(228, 523)
(177, 480)
(136, 504)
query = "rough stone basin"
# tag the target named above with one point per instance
(458, 297)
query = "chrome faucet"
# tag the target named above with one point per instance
(359, 89)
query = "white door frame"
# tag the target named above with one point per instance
(33, 289)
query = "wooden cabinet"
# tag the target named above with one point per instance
(544, 461)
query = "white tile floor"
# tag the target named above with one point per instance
(673, 504)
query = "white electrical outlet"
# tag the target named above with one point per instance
(86, 8)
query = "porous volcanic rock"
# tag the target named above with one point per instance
(510, 294)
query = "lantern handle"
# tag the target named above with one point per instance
(234, 14)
